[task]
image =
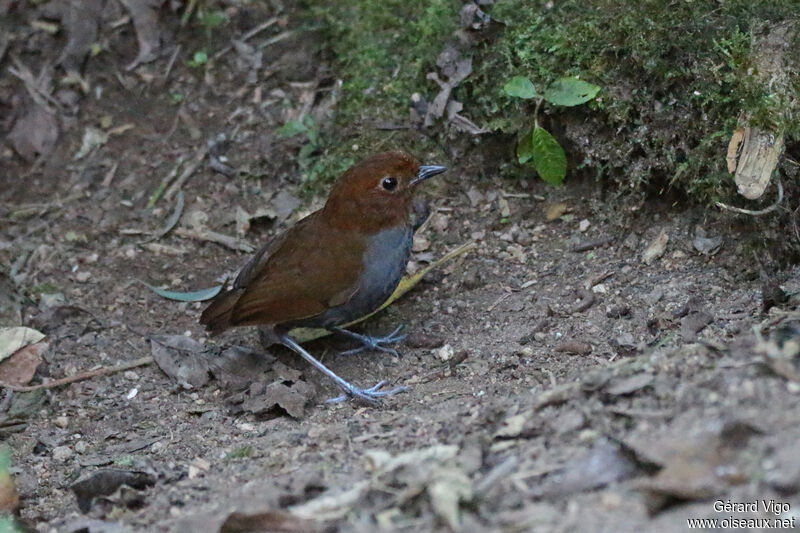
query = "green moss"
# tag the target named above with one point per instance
(676, 78)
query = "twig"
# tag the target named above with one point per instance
(598, 278)
(591, 245)
(497, 302)
(171, 221)
(496, 474)
(277, 38)
(80, 377)
(758, 213)
(171, 63)
(36, 92)
(252, 33)
(212, 236)
(587, 300)
(187, 172)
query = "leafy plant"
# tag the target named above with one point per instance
(538, 146)
(199, 59)
(306, 127)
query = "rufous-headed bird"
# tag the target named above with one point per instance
(336, 265)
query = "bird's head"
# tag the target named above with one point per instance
(376, 193)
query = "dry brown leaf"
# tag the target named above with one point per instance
(272, 521)
(733, 149)
(554, 211)
(656, 248)
(19, 369)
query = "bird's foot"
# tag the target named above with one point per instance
(371, 395)
(374, 343)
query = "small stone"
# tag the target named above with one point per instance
(51, 299)
(523, 238)
(83, 276)
(584, 225)
(62, 453)
(600, 289)
(61, 421)
(540, 336)
(80, 446)
(130, 375)
(445, 353)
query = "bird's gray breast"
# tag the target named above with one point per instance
(385, 259)
(385, 263)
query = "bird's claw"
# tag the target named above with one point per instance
(377, 343)
(372, 395)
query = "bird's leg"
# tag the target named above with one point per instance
(372, 395)
(373, 343)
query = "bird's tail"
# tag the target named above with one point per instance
(218, 315)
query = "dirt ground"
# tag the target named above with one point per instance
(594, 364)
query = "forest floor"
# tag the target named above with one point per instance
(593, 364)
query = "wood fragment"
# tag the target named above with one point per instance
(756, 213)
(104, 371)
(587, 300)
(591, 245)
(219, 238)
(199, 156)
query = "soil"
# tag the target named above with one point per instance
(549, 389)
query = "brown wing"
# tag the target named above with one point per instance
(307, 271)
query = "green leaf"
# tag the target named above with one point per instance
(525, 148)
(520, 87)
(192, 296)
(570, 92)
(292, 128)
(548, 157)
(198, 59)
(213, 19)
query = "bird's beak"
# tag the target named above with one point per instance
(427, 171)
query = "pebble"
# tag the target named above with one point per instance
(80, 446)
(61, 421)
(445, 353)
(62, 453)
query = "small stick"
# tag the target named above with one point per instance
(187, 172)
(758, 213)
(587, 300)
(171, 62)
(252, 33)
(80, 377)
(591, 245)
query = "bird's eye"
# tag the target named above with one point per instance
(389, 183)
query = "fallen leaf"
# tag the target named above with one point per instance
(19, 368)
(9, 499)
(237, 367)
(267, 521)
(607, 462)
(190, 296)
(34, 134)
(554, 211)
(332, 504)
(105, 482)
(12, 339)
(93, 138)
(707, 246)
(733, 149)
(629, 385)
(656, 248)
(145, 14)
(449, 488)
(181, 358)
(292, 398)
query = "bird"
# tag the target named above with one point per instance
(336, 265)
